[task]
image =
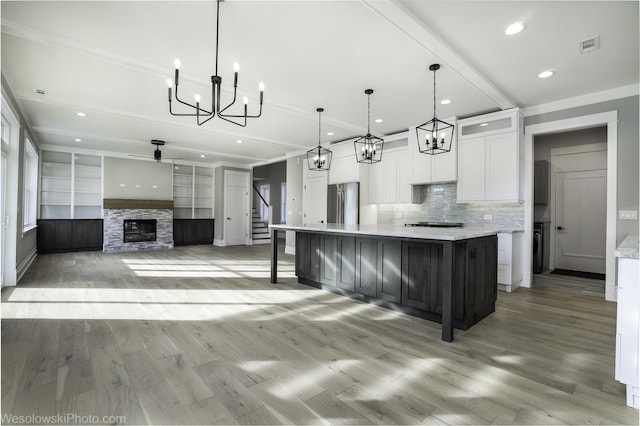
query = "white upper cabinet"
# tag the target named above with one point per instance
(427, 168)
(344, 166)
(389, 179)
(489, 151)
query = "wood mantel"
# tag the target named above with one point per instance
(122, 203)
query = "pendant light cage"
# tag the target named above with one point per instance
(319, 158)
(368, 147)
(435, 136)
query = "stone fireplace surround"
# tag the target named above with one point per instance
(115, 211)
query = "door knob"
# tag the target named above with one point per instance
(228, 218)
(560, 228)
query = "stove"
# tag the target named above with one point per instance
(437, 224)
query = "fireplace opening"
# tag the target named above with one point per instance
(137, 230)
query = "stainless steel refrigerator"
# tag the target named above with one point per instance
(342, 203)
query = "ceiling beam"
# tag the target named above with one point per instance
(406, 22)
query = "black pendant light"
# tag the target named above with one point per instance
(368, 148)
(217, 110)
(319, 158)
(435, 136)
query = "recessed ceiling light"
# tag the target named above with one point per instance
(81, 114)
(78, 140)
(378, 120)
(445, 101)
(201, 155)
(514, 28)
(484, 124)
(545, 74)
(329, 133)
(176, 167)
(238, 141)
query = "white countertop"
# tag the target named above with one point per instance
(424, 233)
(628, 248)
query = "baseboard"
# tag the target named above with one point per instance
(26, 263)
(261, 241)
(219, 243)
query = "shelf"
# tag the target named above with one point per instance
(67, 191)
(56, 204)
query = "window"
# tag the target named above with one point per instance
(6, 129)
(30, 199)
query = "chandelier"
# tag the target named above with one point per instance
(368, 148)
(435, 136)
(319, 158)
(202, 114)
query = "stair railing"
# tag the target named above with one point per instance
(269, 208)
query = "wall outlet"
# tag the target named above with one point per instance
(488, 217)
(628, 214)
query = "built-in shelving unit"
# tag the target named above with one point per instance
(71, 186)
(192, 192)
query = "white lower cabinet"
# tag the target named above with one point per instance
(509, 261)
(628, 329)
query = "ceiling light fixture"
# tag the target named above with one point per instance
(378, 120)
(368, 147)
(78, 140)
(514, 28)
(319, 158)
(545, 74)
(445, 102)
(435, 136)
(81, 114)
(329, 133)
(216, 94)
(238, 141)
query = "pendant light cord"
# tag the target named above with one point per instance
(368, 114)
(319, 131)
(434, 93)
(217, 31)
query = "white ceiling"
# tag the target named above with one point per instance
(111, 60)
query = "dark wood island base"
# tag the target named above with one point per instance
(452, 282)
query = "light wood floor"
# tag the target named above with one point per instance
(197, 335)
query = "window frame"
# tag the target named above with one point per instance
(30, 187)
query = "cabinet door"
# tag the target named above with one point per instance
(203, 231)
(46, 235)
(421, 276)
(390, 178)
(403, 173)
(346, 262)
(471, 169)
(327, 259)
(95, 238)
(420, 163)
(86, 234)
(63, 235)
(376, 192)
(314, 202)
(343, 170)
(366, 265)
(389, 285)
(308, 256)
(444, 167)
(502, 167)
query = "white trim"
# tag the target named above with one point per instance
(26, 263)
(219, 242)
(591, 98)
(610, 119)
(11, 231)
(290, 250)
(248, 240)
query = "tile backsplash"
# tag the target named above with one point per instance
(438, 204)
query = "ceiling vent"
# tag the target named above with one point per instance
(40, 92)
(589, 45)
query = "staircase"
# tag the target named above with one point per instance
(259, 229)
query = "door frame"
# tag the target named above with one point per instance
(247, 204)
(11, 149)
(576, 149)
(608, 119)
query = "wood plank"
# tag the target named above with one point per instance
(121, 203)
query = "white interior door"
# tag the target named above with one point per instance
(3, 213)
(315, 200)
(236, 207)
(581, 218)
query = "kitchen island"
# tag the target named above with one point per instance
(446, 275)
